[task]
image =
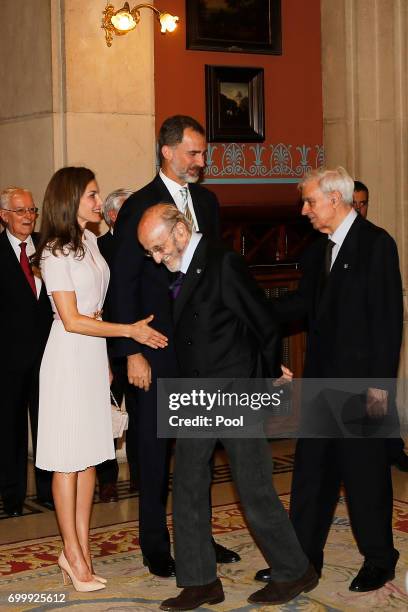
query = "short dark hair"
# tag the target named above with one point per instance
(172, 130)
(359, 186)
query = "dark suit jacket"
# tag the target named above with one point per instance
(139, 287)
(222, 320)
(355, 328)
(25, 320)
(106, 247)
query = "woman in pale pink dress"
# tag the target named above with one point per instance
(75, 427)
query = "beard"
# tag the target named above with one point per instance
(191, 178)
(174, 263)
(184, 173)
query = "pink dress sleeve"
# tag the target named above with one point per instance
(56, 273)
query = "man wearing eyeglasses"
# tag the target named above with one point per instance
(223, 328)
(26, 316)
(139, 285)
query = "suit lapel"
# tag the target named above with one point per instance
(343, 264)
(192, 278)
(13, 265)
(198, 210)
(163, 193)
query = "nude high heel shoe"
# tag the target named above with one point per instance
(99, 578)
(69, 576)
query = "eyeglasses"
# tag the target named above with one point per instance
(160, 247)
(20, 212)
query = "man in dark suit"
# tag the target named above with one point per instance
(223, 328)
(26, 315)
(360, 198)
(395, 446)
(138, 285)
(351, 294)
(108, 471)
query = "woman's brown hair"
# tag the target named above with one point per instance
(60, 230)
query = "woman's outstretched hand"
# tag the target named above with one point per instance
(141, 332)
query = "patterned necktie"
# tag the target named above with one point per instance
(184, 204)
(175, 287)
(25, 264)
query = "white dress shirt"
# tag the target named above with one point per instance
(30, 250)
(174, 189)
(188, 254)
(340, 234)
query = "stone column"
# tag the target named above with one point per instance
(66, 98)
(365, 84)
(109, 96)
(26, 125)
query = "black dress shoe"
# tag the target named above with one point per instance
(108, 492)
(193, 597)
(401, 462)
(263, 575)
(45, 503)
(276, 593)
(165, 568)
(13, 510)
(225, 555)
(371, 578)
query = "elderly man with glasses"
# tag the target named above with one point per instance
(26, 316)
(108, 471)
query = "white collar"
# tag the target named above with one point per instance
(172, 186)
(15, 242)
(342, 230)
(188, 254)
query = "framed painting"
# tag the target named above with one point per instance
(250, 26)
(234, 104)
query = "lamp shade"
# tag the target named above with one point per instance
(168, 22)
(123, 20)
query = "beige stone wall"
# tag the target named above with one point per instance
(69, 99)
(26, 127)
(109, 97)
(365, 84)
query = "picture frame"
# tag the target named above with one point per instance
(253, 26)
(234, 104)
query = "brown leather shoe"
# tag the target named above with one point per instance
(108, 492)
(281, 592)
(193, 597)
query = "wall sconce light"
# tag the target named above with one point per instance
(125, 19)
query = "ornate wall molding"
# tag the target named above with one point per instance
(258, 163)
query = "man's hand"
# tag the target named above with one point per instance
(286, 378)
(138, 371)
(377, 403)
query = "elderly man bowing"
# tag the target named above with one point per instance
(219, 313)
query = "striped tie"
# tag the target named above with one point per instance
(184, 205)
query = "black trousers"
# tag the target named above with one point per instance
(321, 465)
(20, 392)
(152, 457)
(395, 446)
(107, 472)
